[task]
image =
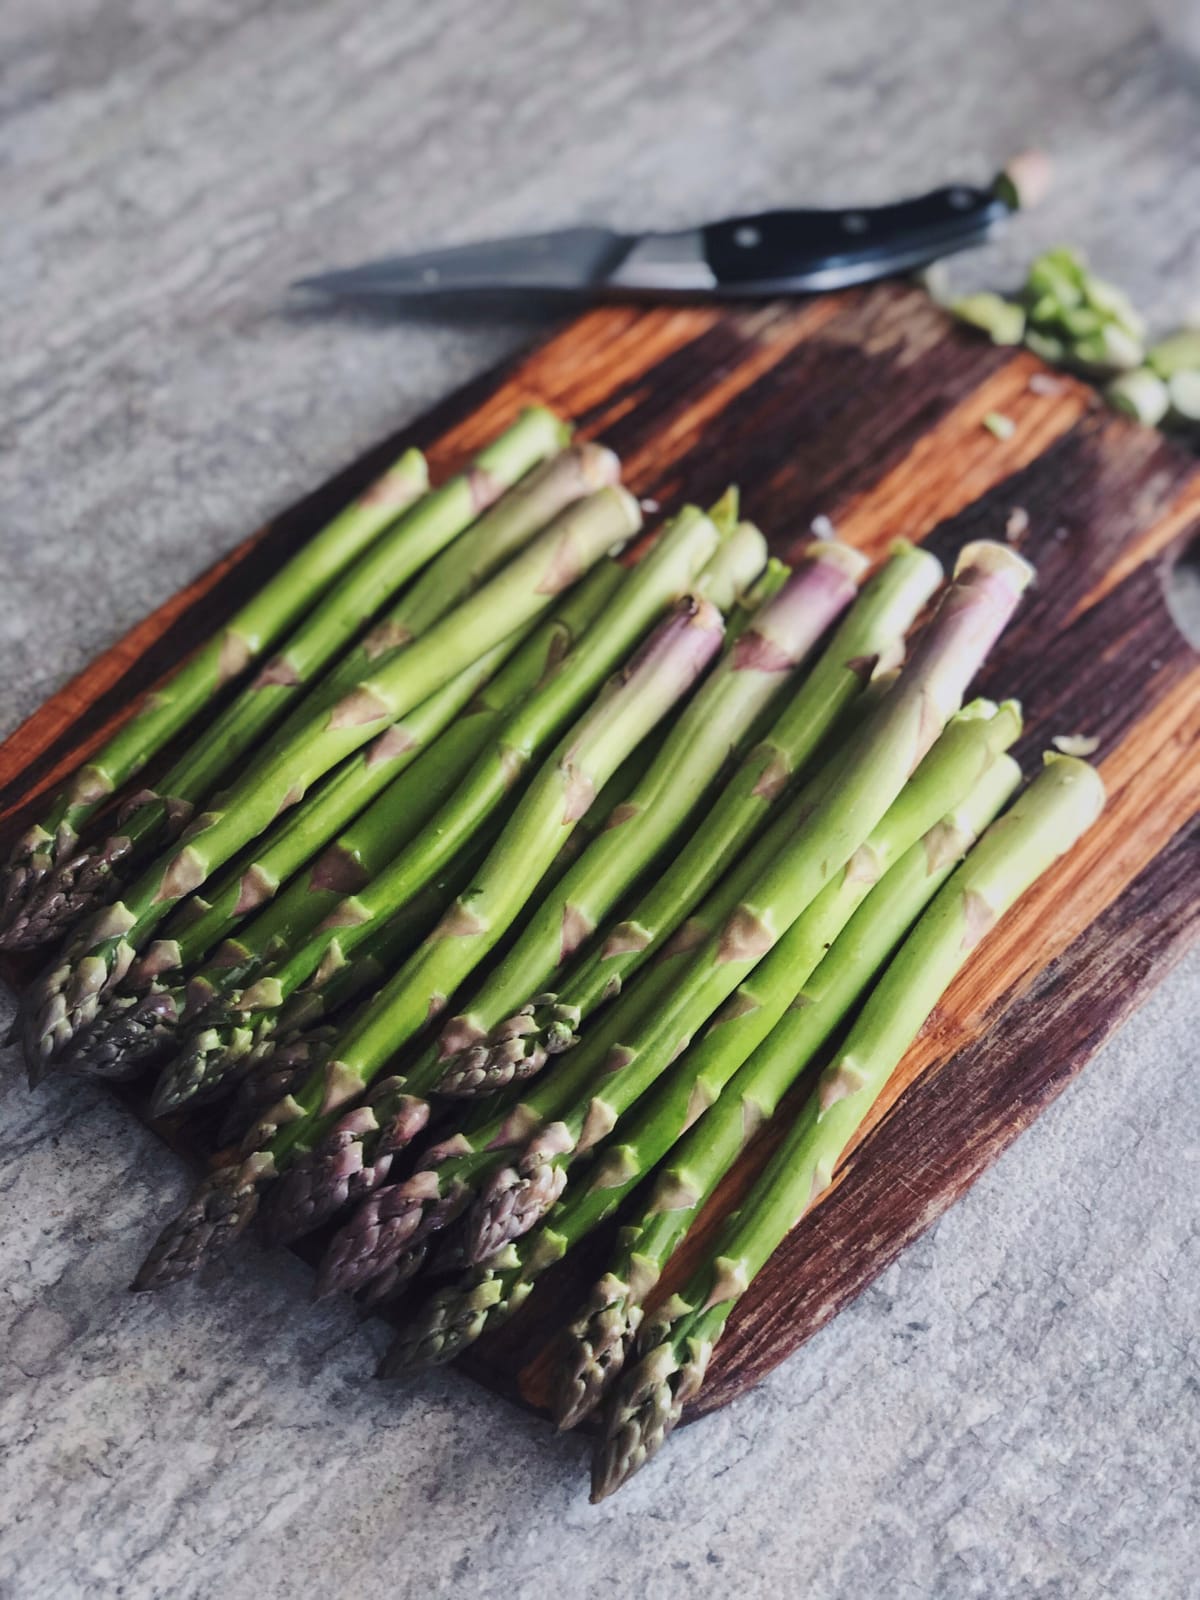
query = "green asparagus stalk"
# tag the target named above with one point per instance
(701, 1152)
(747, 680)
(659, 580)
(69, 995)
(664, 668)
(235, 647)
(400, 812)
(751, 601)
(677, 1342)
(871, 636)
(407, 775)
(846, 804)
(582, 1100)
(598, 1340)
(83, 881)
(403, 801)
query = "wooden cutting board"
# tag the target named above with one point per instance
(865, 407)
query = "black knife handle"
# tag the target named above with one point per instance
(774, 247)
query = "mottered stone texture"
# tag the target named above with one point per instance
(1013, 1411)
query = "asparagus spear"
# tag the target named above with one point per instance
(846, 804)
(244, 639)
(85, 879)
(700, 1152)
(599, 1338)
(138, 1022)
(654, 1020)
(663, 669)
(747, 680)
(872, 634)
(666, 572)
(69, 995)
(136, 1026)
(677, 1342)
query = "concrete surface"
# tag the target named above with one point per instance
(1013, 1410)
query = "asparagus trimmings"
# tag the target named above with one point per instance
(243, 640)
(568, 681)
(676, 1344)
(753, 673)
(872, 632)
(70, 994)
(79, 882)
(700, 1152)
(847, 801)
(598, 1339)
(342, 1159)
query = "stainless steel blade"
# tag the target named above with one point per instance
(569, 259)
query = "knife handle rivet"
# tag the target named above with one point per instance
(855, 222)
(747, 236)
(960, 199)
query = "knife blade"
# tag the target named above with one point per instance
(766, 253)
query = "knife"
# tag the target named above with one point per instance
(767, 253)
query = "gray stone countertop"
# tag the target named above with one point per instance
(1012, 1411)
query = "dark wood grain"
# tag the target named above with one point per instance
(867, 408)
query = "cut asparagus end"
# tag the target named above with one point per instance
(733, 567)
(1140, 394)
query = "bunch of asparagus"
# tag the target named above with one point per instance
(518, 888)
